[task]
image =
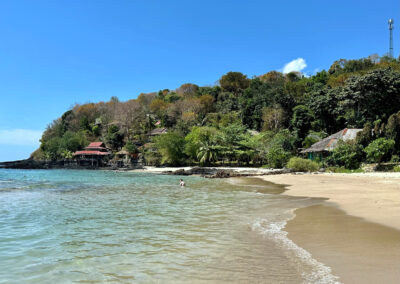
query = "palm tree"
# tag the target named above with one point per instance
(206, 153)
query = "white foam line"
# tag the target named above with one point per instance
(320, 273)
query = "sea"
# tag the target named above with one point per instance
(93, 226)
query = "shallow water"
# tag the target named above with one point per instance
(63, 226)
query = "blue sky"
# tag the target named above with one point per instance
(57, 53)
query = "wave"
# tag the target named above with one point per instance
(311, 270)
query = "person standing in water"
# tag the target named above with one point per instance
(182, 183)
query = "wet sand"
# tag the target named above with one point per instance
(356, 231)
(356, 250)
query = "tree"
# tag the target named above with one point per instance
(378, 149)
(280, 149)
(234, 82)
(371, 96)
(348, 155)
(301, 121)
(207, 153)
(273, 118)
(197, 137)
(171, 146)
(187, 90)
(392, 130)
(114, 138)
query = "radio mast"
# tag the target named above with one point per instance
(391, 37)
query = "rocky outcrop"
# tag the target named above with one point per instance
(24, 164)
(225, 173)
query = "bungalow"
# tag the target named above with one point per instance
(93, 155)
(322, 148)
(157, 131)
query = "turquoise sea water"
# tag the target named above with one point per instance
(78, 226)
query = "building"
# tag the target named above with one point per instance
(322, 148)
(94, 155)
(157, 131)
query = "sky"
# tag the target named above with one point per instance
(54, 54)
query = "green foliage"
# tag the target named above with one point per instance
(302, 165)
(301, 121)
(347, 155)
(312, 138)
(341, 170)
(288, 109)
(234, 82)
(280, 149)
(277, 157)
(114, 138)
(396, 169)
(171, 146)
(197, 137)
(378, 149)
(131, 148)
(206, 153)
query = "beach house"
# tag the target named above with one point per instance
(322, 148)
(95, 155)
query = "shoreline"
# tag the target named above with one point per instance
(375, 197)
(355, 230)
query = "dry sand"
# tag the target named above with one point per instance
(374, 197)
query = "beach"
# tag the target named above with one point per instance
(356, 230)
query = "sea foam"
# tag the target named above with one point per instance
(312, 271)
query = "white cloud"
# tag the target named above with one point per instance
(20, 137)
(295, 65)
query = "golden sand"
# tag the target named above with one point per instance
(374, 197)
(362, 246)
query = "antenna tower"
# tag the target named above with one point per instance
(391, 37)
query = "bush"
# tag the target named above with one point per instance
(378, 149)
(277, 157)
(302, 165)
(347, 155)
(171, 146)
(396, 169)
(340, 170)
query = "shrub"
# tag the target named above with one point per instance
(277, 157)
(378, 149)
(343, 170)
(347, 155)
(171, 147)
(302, 165)
(396, 169)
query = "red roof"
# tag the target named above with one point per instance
(96, 145)
(95, 153)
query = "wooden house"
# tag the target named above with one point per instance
(322, 148)
(95, 155)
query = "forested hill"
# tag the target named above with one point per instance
(259, 121)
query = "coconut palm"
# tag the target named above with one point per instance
(206, 153)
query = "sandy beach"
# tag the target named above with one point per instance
(356, 231)
(374, 197)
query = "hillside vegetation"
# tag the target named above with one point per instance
(257, 121)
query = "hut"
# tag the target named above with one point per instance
(322, 148)
(157, 131)
(94, 155)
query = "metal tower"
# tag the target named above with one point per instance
(391, 37)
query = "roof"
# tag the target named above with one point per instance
(157, 131)
(329, 143)
(96, 145)
(94, 153)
